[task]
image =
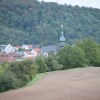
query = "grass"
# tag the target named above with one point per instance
(36, 78)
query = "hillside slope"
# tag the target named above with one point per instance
(40, 22)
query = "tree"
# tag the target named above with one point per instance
(91, 49)
(71, 57)
(16, 74)
(24, 70)
(8, 81)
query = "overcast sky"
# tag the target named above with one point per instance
(86, 3)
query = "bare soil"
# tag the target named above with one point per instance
(73, 84)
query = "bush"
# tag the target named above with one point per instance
(42, 67)
(56, 66)
(16, 74)
(8, 81)
(52, 63)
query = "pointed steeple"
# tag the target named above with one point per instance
(62, 39)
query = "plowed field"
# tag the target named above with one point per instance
(73, 84)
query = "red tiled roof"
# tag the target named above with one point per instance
(0, 53)
(28, 52)
(18, 47)
(11, 53)
(8, 59)
(3, 54)
(37, 50)
(29, 46)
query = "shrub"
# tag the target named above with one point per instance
(16, 74)
(8, 81)
(52, 63)
(42, 67)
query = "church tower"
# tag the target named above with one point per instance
(62, 39)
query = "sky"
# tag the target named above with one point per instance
(86, 3)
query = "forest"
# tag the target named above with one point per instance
(34, 22)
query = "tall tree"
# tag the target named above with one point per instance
(91, 49)
(71, 57)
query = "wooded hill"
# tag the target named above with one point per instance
(33, 22)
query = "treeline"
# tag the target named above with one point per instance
(17, 74)
(83, 53)
(30, 21)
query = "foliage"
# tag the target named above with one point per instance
(52, 63)
(23, 70)
(92, 51)
(8, 81)
(48, 63)
(98, 56)
(16, 74)
(71, 57)
(29, 21)
(40, 61)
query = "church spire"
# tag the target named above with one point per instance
(62, 39)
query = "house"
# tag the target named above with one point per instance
(47, 49)
(10, 57)
(6, 58)
(30, 47)
(37, 50)
(20, 53)
(27, 47)
(17, 56)
(2, 48)
(27, 54)
(32, 54)
(7, 48)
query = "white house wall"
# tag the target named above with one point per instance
(9, 49)
(34, 53)
(25, 47)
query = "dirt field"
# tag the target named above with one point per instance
(73, 84)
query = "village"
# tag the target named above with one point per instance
(10, 53)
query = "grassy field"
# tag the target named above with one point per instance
(36, 78)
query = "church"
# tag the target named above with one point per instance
(62, 40)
